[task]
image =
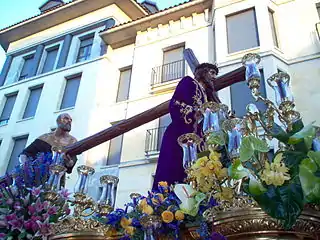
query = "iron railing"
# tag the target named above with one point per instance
(153, 140)
(168, 72)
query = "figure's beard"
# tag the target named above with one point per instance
(65, 126)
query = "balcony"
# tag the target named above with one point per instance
(318, 29)
(153, 140)
(168, 72)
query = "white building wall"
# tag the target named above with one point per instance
(96, 107)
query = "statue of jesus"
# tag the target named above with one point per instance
(189, 95)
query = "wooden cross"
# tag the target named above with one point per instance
(126, 125)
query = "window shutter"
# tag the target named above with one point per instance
(273, 29)
(124, 85)
(33, 101)
(70, 92)
(19, 145)
(50, 60)
(242, 31)
(115, 149)
(8, 107)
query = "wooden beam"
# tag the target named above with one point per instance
(124, 126)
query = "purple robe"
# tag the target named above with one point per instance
(187, 96)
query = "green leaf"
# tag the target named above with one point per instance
(315, 156)
(307, 134)
(203, 154)
(309, 181)
(251, 144)
(284, 203)
(216, 138)
(237, 171)
(296, 127)
(292, 161)
(255, 186)
(278, 133)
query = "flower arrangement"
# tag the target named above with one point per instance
(24, 211)
(173, 206)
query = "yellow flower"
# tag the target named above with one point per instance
(275, 173)
(214, 164)
(157, 199)
(201, 162)
(143, 202)
(221, 173)
(214, 156)
(147, 209)
(125, 222)
(167, 216)
(226, 194)
(130, 230)
(205, 171)
(163, 184)
(179, 215)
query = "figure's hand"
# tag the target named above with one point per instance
(68, 161)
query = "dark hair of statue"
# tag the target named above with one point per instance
(200, 72)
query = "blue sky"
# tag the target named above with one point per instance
(13, 11)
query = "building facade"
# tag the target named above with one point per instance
(107, 61)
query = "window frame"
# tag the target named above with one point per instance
(13, 140)
(6, 121)
(24, 58)
(30, 89)
(70, 77)
(256, 25)
(274, 28)
(119, 84)
(81, 39)
(56, 46)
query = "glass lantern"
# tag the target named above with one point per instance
(54, 181)
(280, 84)
(189, 143)
(109, 189)
(253, 76)
(84, 172)
(233, 127)
(150, 224)
(214, 114)
(57, 155)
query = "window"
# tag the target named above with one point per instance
(8, 107)
(19, 145)
(50, 61)
(273, 28)
(115, 149)
(27, 67)
(173, 64)
(242, 31)
(241, 97)
(85, 48)
(318, 8)
(33, 101)
(70, 92)
(124, 85)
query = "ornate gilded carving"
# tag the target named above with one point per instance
(78, 225)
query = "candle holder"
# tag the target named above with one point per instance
(150, 223)
(53, 184)
(253, 76)
(108, 196)
(214, 114)
(233, 127)
(189, 143)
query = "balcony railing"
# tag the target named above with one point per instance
(154, 139)
(318, 29)
(168, 72)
